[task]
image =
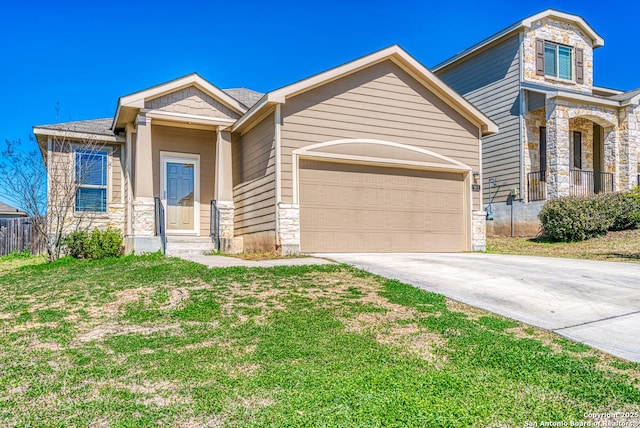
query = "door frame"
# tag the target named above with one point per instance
(184, 158)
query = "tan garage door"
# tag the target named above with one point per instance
(359, 208)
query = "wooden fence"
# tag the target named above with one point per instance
(18, 234)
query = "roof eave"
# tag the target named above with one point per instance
(597, 40)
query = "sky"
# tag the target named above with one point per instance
(71, 60)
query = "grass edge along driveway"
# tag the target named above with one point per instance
(147, 340)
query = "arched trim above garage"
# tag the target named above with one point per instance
(374, 152)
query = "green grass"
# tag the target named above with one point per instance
(147, 341)
(622, 246)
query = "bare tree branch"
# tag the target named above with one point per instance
(46, 185)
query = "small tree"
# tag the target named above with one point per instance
(46, 186)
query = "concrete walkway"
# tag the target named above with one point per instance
(226, 261)
(594, 302)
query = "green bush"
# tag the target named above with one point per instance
(95, 245)
(577, 219)
(76, 243)
(107, 243)
(620, 207)
(634, 195)
(574, 219)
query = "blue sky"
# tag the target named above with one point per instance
(84, 55)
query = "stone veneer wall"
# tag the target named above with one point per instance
(144, 218)
(228, 242)
(479, 237)
(114, 218)
(560, 32)
(629, 153)
(289, 228)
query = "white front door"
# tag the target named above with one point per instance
(180, 193)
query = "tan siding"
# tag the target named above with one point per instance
(116, 175)
(254, 179)
(193, 141)
(384, 103)
(191, 100)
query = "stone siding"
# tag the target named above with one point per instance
(479, 237)
(144, 218)
(565, 33)
(289, 228)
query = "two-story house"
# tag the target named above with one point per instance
(560, 135)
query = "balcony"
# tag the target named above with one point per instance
(581, 183)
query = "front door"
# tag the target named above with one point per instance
(179, 194)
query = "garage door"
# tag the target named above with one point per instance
(359, 208)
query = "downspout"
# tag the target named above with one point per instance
(278, 168)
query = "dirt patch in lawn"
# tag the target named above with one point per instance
(100, 332)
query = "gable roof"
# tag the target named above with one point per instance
(89, 130)
(95, 126)
(393, 53)
(136, 100)
(246, 96)
(6, 209)
(597, 40)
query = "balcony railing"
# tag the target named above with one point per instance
(585, 183)
(537, 186)
(581, 183)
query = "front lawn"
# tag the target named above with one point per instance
(146, 341)
(621, 246)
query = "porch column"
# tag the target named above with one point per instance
(628, 141)
(558, 157)
(223, 191)
(612, 152)
(143, 210)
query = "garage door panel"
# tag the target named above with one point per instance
(350, 208)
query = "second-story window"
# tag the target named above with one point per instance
(558, 61)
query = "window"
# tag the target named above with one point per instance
(542, 146)
(576, 150)
(563, 62)
(558, 61)
(91, 178)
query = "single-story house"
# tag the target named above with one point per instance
(8, 211)
(375, 155)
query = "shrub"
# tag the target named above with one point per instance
(107, 243)
(76, 243)
(96, 245)
(620, 207)
(574, 219)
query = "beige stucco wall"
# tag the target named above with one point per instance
(561, 32)
(191, 141)
(381, 102)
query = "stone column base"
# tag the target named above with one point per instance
(228, 242)
(289, 228)
(479, 231)
(143, 218)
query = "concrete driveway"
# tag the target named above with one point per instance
(597, 303)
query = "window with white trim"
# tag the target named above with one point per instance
(91, 180)
(558, 61)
